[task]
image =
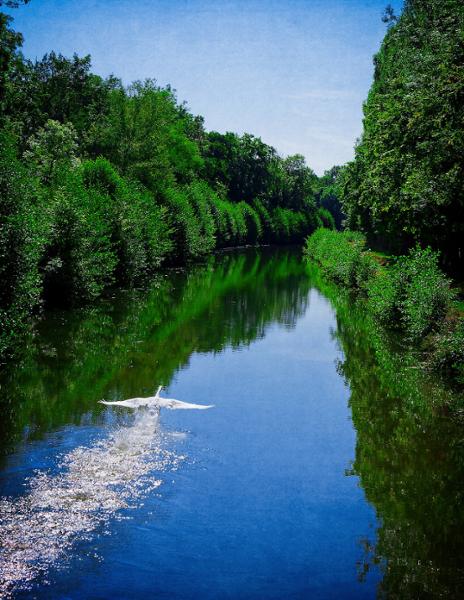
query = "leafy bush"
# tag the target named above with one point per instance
(290, 226)
(342, 256)
(325, 218)
(281, 225)
(449, 352)
(139, 232)
(427, 292)
(50, 148)
(385, 297)
(413, 293)
(266, 221)
(224, 220)
(79, 260)
(200, 196)
(240, 226)
(253, 223)
(185, 224)
(23, 229)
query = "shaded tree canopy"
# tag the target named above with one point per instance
(406, 184)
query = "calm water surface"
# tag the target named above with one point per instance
(306, 480)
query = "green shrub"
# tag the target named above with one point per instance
(413, 293)
(301, 226)
(253, 223)
(384, 292)
(427, 292)
(281, 225)
(79, 258)
(366, 270)
(139, 232)
(239, 225)
(201, 198)
(156, 233)
(100, 175)
(265, 219)
(342, 256)
(23, 231)
(224, 219)
(290, 226)
(185, 224)
(449, 352)
(325, 218)
(51, 148)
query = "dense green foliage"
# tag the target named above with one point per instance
(449, 351)
(22, 231)
(411, 294)
(406, 184)
(328, 195)
(102, 184)
(342, 256)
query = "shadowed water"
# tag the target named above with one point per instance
(328, 468)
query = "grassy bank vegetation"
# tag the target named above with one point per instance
(409, 294)
(101, 184)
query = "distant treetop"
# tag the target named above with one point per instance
(13, 3)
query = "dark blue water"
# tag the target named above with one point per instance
(250, 499)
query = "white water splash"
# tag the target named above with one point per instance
(38, 529)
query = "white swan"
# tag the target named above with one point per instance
(156, 402)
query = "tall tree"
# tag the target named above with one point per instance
(10, 41)
(57, 88)
(406, 184)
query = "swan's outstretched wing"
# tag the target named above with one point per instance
(131, 402)
(115, 403)
(179, 405)
(156, 402)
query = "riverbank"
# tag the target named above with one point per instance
(102, 184)
(93, 230)
(407, 294)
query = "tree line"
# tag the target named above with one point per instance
(406, 183)
(101, 184)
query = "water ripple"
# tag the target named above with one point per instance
(38, 529)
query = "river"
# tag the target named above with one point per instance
(326, 469)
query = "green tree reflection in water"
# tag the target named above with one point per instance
(409, 450)
(127, 345)
(409, 458)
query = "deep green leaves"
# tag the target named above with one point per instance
(406, 184)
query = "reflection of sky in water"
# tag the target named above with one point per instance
(262, 507)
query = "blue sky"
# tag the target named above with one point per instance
(293, 72)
